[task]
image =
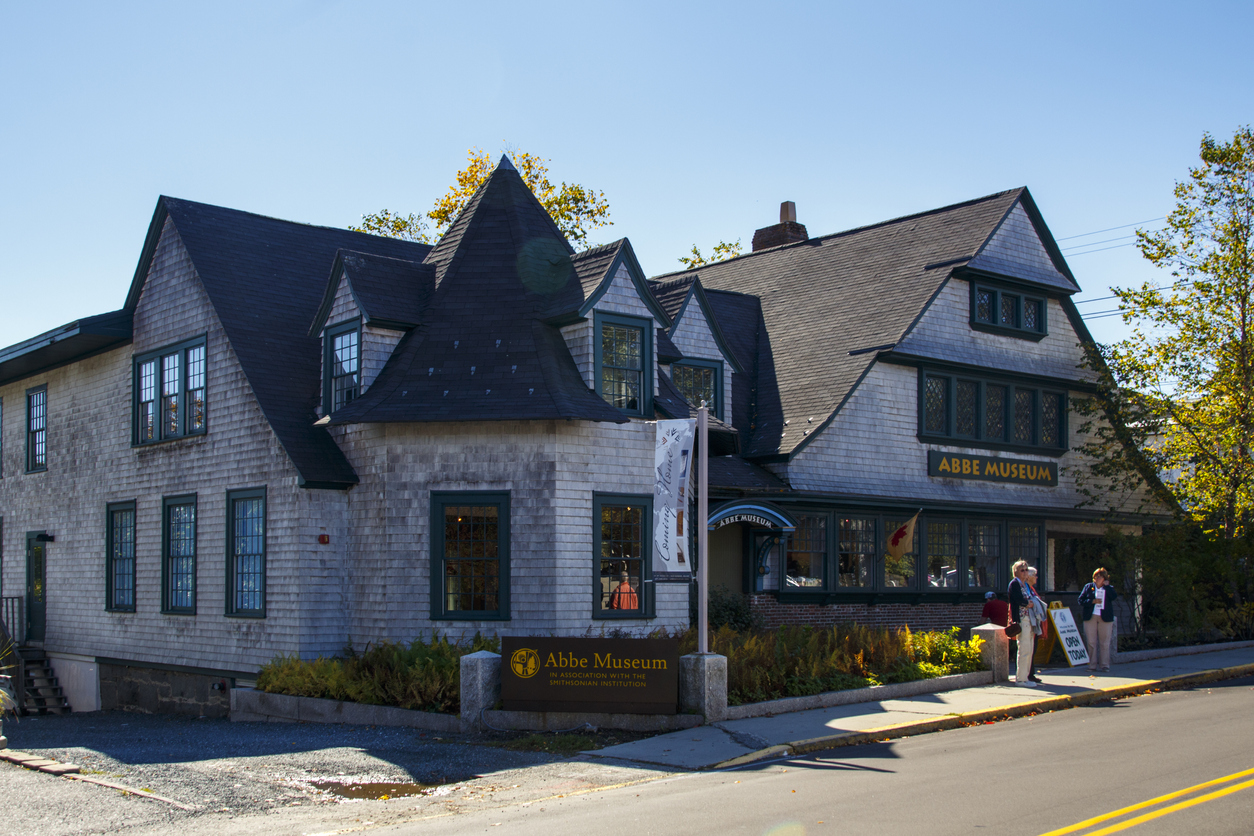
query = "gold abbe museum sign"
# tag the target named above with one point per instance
(625, 676)
(991, 468)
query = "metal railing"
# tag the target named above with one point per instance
(13, 618)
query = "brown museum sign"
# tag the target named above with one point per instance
(622, 676)
(991, 468)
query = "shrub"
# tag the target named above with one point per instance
(731, 609)
(422, 676)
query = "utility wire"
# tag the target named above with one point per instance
(1111, 229)
(1103, 249)
(1095, 243)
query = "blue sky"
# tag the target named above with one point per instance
(694, 119)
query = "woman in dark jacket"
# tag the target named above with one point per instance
(1019, 615)
(1095, 603)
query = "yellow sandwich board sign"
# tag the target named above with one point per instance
(1069, 635)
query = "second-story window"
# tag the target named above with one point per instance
(169, 387)
(342, 365)
(624, 362)
(700, 380)
(37, 429)
(991, 413)
(1007, 312)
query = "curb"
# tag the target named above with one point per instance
(954, 721)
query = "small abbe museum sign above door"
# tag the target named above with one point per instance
(991, 468)
(620, 676)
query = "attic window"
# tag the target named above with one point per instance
(170, 386)
(624, 363)
(996, 414)
(341, 364)
(700, 380)
(1007, 312)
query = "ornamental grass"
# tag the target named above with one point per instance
(421, 676)
(802, 661)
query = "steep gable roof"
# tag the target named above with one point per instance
(676, 295)
(265, 278)
(831, 303)
(389, 292)
(486, 349)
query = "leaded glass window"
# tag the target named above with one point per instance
(1024, 407)
(994, 411)
(1031, 315)
(471, 550)
(170, 386)
(968, 393)
(984, 305)
(1009, 305)
(936, 405)
(983, 554)
(37, 429)
(623, 537)
(807, 553)
(622, 362)
(856, 537)
(246, 533)
(943, 551)
(120, 557)
(1010, 313)
(1051, 419)
(179, 558)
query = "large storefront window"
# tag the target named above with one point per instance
(807, 553)
(857, 551)
(942, 554)
(900, 573)
(983, 554)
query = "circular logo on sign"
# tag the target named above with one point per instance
(525, 663)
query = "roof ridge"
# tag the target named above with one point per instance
(864, 228)
(187, 202)
(598, 248)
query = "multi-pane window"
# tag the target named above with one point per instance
(995, 413)
(943, 552)
(1011, 313)
(899, 573)
(983, 554)
(807, 552)
(178, 561)
(700, 382)
(622, 558)
(470, 562)
(169, 388)
(343, 365)
(37, 429)
(120, 557)
(246, 552)
(624, 363)
(856, 555)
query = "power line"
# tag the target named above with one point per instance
(1095, 243)
(1111, 229)
(1102, 250)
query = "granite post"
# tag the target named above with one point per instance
(703, 685)
(8, 692)
(480, 686)
(996, 650)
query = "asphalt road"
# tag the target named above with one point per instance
(1027, 776)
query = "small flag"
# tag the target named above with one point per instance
(902, 539)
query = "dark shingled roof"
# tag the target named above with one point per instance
(826, 300)
(592, 265)
(672, 294)
(265, 278)
(670, 402)
(734, 473)
(484, 350)
(667, 351)
(391, 292)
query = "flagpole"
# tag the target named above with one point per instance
(703, 533)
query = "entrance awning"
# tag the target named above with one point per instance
(757, 514)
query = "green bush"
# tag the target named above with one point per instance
(422, 676)
(731, 609)
(801, 661)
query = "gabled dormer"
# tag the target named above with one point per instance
(704, 370)
(369, 303)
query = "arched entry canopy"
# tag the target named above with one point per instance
(757, 514)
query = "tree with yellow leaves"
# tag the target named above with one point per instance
(576, 209)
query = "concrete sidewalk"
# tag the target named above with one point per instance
(734, 742)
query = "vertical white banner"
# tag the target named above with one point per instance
(673, 459)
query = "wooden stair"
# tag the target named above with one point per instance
(41, 693)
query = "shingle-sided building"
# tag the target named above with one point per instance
(292, 438)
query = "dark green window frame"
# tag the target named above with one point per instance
(715, 366)
(644, 407)
(956, 408)
(330, 379)
(1009, 311)
(178, 556)
(169, 392)
(963, 538)
(120, 540)
(246, 554)
(445, 567)
(37, 429)
(644, 586)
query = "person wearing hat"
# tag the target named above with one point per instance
(995, 610)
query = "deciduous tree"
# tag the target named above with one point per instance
(721, 252)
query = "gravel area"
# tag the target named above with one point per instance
(295, 775)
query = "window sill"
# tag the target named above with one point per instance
(37, 470)
(1007, 331)
(160, 441)
(255, 616)
(1001, 447)
(178, 612)
(120, 610)
(620, 616)
(492, 616)
(887, 596)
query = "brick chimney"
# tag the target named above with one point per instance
(787, 231)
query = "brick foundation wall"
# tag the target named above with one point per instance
(914, 616)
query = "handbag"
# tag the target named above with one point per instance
(1013, 628)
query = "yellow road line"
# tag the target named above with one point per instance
(1115, 828)
(1141, 806)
